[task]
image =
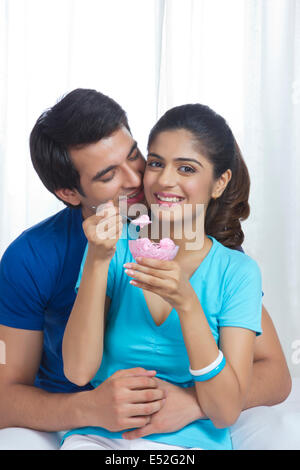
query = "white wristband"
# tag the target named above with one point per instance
(209, 368)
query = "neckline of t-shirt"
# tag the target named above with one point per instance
(207, 257)
(204, 261)
(163, 325)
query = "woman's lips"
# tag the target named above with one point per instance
(168, 203)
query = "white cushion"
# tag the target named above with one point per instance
(270, 428)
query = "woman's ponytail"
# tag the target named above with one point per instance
(224, 215)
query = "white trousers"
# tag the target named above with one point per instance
(94, 442)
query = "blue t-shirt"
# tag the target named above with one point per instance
(38, 272)
(228, 285)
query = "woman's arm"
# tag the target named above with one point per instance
(83, 338)
(270, 384)
(221, 398)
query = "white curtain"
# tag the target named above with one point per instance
(50, 47)
(241, 57)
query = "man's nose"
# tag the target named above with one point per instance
(132, 178)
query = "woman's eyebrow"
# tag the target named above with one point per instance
(179, 159)
(111, 167)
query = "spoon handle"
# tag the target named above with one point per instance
(122, 215)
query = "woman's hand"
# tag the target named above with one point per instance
(103, 231)
(164, 278)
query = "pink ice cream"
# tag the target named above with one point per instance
(144, 248)
(141, 221)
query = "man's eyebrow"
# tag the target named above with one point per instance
(111, 167)
(179, 159)
(103, 172)
(134, 146)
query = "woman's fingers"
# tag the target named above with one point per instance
(145, 279)
(156, 263)
(109, 229)
(135, 268)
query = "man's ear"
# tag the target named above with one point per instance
(221, 183)
(69, 195)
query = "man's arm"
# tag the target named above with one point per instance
(22, 404)
(271, 381)
(123, 401)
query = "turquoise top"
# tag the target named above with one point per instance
(228, 285)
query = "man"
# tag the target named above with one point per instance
(84, 153)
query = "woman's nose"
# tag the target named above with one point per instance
(167, 178)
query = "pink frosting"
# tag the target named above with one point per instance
(144, 248)
(142, 221)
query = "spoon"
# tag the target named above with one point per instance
(122, 215)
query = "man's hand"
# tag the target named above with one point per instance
(181, 408)
(125, 400)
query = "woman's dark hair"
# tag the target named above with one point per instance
(214, 139)
(80, 118)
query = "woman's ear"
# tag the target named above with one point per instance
(69, 195)
(221, 183)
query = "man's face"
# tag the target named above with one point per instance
(109, 168)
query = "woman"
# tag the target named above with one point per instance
(193, 319)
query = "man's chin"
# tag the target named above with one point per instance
(142, 201)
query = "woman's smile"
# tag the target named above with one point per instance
(168, 199)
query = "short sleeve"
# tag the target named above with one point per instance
(240, 248)
(25, 287)
(110, 275)
(242, 303)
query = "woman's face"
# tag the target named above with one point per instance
(177, 175)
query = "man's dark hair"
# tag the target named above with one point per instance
(80, 118)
